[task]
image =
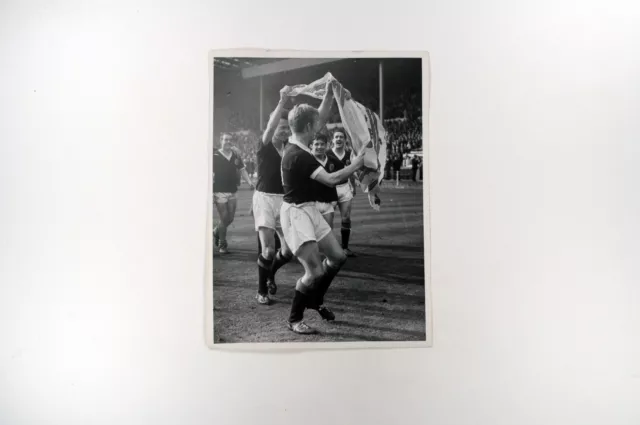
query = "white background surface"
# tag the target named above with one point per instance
(535, 155)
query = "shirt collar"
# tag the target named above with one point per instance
(324, 162)
(224, 155)
(298, 144)
(344, 152)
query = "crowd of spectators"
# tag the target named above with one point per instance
(403, 135)
(403, 124)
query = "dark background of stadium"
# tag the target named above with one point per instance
(402, 89)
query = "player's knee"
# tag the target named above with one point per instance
(340, 259)
(336, 260)
(346, 223)
(268, 252)
(315, 276)
(309, 282)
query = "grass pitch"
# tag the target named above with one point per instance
(377, 296)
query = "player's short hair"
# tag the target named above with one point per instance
(339, 130)
(322, 137)
(225, 134)
(301, 116)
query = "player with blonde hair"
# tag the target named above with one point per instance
(305, 230)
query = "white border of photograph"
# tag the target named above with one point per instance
(208, 280)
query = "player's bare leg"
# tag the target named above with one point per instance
(230, 215)
(231, 209)
(306, 287)
(281, 257)
(269, 261)
(221, 230)
(331, 265)
(329, 219)
(265, 259)
(216, 236)
(345, 230)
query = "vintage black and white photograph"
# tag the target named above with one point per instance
(319, 187)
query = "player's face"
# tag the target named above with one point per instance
(226, 142)
(281, 135)
(338, 140)
(318, 147)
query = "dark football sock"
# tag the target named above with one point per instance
(278, 243)
(330, 272)
(345, 232)
(222, 234)
(297, 307)
(263, 274)
(278, 261)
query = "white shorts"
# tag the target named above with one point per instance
(302, 223)
(326, 207)
(223, 197)
(266, 210)
(345, 192)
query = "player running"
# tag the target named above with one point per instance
(267, 200)
(305, 231)
(226, 164)
(327, 195)
(346, 188)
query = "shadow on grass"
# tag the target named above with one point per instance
(375, 267)
(398, 250)
(380, 329)
(342, 294)
(401, 313)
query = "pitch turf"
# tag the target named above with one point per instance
(377, 296)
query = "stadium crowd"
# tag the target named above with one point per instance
(404, 133)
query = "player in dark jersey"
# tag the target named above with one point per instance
(327, 195)
(226, 164)
(267, 200)
(305, 231)
(346, 189)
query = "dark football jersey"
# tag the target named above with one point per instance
(226, 172)
(269, 164)
(345, 160)
(298, 165)
(328, 193)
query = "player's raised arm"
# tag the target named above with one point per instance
(332, 179)
(327, 102)
(274, 119)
